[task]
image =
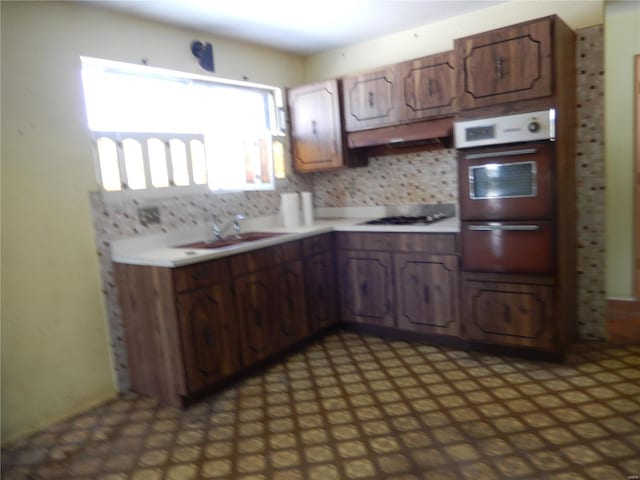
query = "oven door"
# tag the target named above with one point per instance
(506, 183)
(508, 247)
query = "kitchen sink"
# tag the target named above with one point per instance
(227, 242)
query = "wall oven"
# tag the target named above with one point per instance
(506, 185)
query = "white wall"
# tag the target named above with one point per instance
(622, 42)
(55, 357)
(439, 36)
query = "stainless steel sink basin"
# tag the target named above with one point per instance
(227, 242)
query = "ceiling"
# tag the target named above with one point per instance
(298, 26)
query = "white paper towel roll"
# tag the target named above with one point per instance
(290, 208)
(307, 208)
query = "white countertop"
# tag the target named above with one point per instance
(161, 250)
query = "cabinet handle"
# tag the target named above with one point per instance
(499, 68)
(371, 99)
(313, 127)
(506, 153)
(199, 276)
(364, 289)
(430, 87)
(425, 293)
(256, 317)
(508, 228)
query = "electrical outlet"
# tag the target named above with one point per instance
(149, 215)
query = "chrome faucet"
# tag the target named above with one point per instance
(219, 228)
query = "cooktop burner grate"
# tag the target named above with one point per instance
(408, 220)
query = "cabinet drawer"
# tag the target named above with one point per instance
(319, 244)
(201, 274)
(264, 258)
(513, 314)
(443, 243)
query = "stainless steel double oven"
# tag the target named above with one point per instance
(506, 184)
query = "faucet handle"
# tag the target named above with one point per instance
(217, 230)
(236, 225)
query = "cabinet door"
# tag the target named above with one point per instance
(366, 287)
(288, 294)
(319, 277)
(428, 87)
(254, 309)
(370, 100)
(426, 292)
(208, 335)
(316, 126)
(508, 313)
(505, 65)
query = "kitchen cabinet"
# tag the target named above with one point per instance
(208, 334)
(399, 94)
(371, 99)
(255, 317)
(405, 281)
(511, 311)
(509, 64)
(320, 281)
(179, 327)
(366, 287)
(427, 293)
(428, 87)
(315, 112)
(270, 300)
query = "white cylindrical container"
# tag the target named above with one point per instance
(290, 208)
(307, 208)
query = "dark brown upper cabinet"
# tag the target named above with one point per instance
(428, 87)
(509, 64)
(397, 95)
(316, 126)
(371, 99)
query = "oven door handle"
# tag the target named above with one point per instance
(509, 228)
(507, 153)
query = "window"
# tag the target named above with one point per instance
(156, 130)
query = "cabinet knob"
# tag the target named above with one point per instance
(499, 68)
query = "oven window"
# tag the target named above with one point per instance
(503, 180)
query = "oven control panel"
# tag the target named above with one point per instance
(521, 127)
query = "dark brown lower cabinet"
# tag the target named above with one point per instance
(320, 281)
(255, 316)
(427, 293)
(511, 312)
(179, 327)
(366, 287)
(290, 309)
(407, 281)
(209, 336)
(270, 300)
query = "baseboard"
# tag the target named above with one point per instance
(623, 321)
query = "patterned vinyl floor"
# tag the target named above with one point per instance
(359, 407)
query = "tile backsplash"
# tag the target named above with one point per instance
(428, 176)
(422, 177)
(590, 177)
